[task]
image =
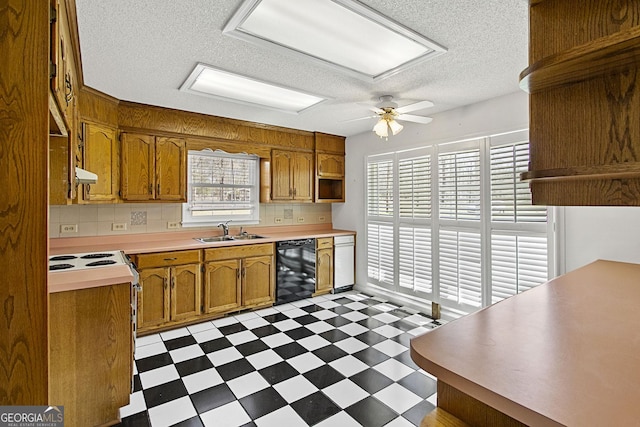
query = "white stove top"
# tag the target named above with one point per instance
(69, 262)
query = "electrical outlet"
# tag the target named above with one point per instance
(173, 224)
(300, 219)
(322, 219)
(68, 228)
(118, 226)
(278, 220)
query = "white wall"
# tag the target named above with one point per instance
(586, 233)
(592, 233)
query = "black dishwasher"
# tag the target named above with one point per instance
(296, 270)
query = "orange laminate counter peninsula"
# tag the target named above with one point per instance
(564, 353)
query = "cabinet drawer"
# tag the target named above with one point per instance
(161, 259)
(324, 242)
(238, 251)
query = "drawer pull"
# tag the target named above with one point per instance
(171, 259)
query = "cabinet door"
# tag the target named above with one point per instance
(138, 165)
(101, 158)
(281, 184)
(171, 169)
(324, 269)
(303, 173)
(257, 281)
(222, 290)
(185, 291)
(330, 165)
(153, 299)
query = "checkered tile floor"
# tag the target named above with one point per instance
(336, 360)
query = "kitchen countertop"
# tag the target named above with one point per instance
(564, 353)
(160, 242)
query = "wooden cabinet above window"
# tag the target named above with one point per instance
(153, 168)
(329, 173)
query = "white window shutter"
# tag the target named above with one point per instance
(380, 193)
(380, 253)
(414, 188)
(460, 267)
(459, 185)
(414, 259)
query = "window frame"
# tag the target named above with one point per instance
(189, 220)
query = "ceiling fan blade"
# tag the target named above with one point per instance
(369, 107)
(416, 119)
(413, 107)
(355, 120)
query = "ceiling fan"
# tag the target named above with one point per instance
(388, 114)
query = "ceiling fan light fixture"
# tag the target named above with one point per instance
(396, 127)
(381, 128)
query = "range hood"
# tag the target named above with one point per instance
(85, 177)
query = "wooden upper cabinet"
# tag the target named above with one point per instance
(330, 165)
(291, 175)
(101, 157)
(171, 169)
(584, 105)
(153, 168)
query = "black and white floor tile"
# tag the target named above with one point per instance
(335, 360)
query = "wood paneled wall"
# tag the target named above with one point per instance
(24, 130)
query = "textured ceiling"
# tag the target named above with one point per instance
(143, 50)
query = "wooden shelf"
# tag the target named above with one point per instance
(618, 170)
(610, 54)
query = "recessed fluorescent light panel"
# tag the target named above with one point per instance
(343, 34)
(206, 80)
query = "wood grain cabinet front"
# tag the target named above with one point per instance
(240, 277)
(101, 156)
(291, 175)
(90, 353)
(171, 285)
(324, 265)
(153, 168)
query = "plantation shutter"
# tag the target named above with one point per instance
(414, 188)
(459, 185)
(380, 253)
(460, 266)
(414, 258)
(511, 197)
(380, 188)
(518, 263)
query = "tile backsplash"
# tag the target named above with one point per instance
(131, 218)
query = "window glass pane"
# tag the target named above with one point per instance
(221, 186)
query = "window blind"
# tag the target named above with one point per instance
(511, 197)
(459, 185)
(380, 188)
(414, 188)
(380, 253)
(414, 258)
(460, 267)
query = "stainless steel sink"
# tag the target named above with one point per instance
(227, 238)
(213, 239)
(247, 237)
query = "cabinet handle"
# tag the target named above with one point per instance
(150, 189)
(87, 189)
(320, 168)
(290, 192)
(238, 273)
(244, 272)
(158, 190)
(166, 283)
(173, 282)
(295, 190)
(171, 259)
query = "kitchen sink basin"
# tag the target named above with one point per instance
(227, 238)
(247, 237)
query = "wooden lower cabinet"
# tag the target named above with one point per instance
(222, 286)
(169, 293)
(324, 265)
(238, 277)
(90, 353)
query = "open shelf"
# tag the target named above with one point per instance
(609, 54)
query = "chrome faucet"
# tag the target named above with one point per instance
(225, 228)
